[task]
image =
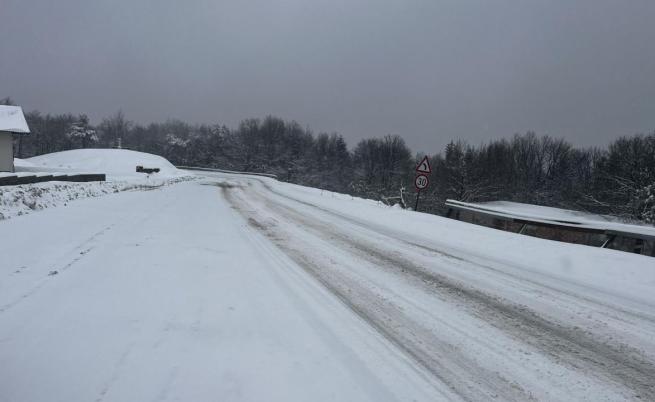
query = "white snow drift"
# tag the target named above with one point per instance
(118, 164)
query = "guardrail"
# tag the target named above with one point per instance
(15, 180)
(273, 176)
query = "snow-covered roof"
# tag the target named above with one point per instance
(555, 216)
(13, 120)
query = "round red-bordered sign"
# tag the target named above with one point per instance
(421, 181)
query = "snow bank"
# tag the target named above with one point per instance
(117, 164)
(20, 164)
(23, 199)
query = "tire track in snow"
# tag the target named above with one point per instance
(78, 252)
(418, 344)
(637, 324)
(73, 257)
(458, 257)
(118, 366)
(572, 346)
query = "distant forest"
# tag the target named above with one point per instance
(542, 170)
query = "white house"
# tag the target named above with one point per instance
(12, 121)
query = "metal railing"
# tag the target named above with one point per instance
(204, 169)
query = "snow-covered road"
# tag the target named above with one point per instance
(242, 288)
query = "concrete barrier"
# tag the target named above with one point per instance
(30, 179)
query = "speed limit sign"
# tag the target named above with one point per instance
(421, 181)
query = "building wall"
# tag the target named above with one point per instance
(6, 152)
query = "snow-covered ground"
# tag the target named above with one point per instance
(118, 164)
(235, 287)
(170, 295)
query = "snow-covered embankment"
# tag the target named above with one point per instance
(118, 164)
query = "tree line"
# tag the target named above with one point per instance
(617, 180)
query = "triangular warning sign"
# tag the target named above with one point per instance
(424, 166)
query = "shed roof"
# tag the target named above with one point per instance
(13, 120)
(556, 217)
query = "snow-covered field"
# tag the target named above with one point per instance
(233, 287)
(118, 164)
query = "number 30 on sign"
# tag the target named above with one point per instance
(421, 181)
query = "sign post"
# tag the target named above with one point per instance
(422, 180)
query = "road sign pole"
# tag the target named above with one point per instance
(422, 179)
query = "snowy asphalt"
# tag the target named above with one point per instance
(242, 288)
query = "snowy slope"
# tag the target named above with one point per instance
(22, 163)
(117, 164)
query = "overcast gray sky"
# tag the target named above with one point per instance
(427, 70)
